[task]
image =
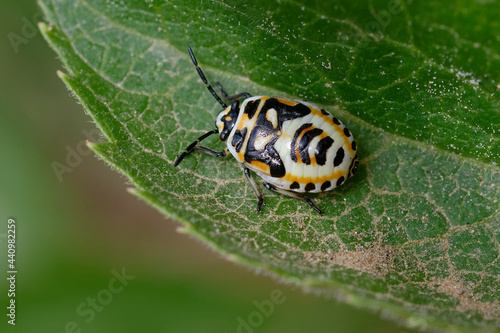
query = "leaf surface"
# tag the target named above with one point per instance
(415, 232)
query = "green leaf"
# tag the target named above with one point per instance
(415, 232)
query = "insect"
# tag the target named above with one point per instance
(294, 146)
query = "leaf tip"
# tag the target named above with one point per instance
(46, 29)
(133, 190)
(62, 75)
(43, 27)
(90, 144)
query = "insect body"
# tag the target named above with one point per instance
(294, 146)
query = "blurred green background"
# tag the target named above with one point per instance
(73, 231)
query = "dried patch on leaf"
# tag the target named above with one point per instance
(376, 260)
(453, 287)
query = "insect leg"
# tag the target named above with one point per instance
(212, 152)
(293, 195)
(192, 146)
(231, 98)
(255, 188)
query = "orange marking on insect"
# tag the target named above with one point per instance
(243, 120)
(262, 166)
(287, 102)
(315, 180)
(241, 156)
(297, 144)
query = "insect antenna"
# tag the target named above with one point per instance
(204, 79)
